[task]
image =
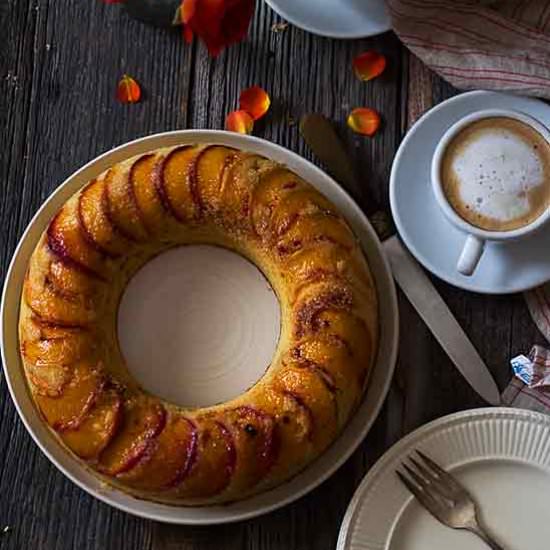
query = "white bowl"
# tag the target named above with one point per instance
(312, 476)
(336, 18)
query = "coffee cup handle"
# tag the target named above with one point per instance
(471, 254)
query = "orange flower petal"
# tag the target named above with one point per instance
(255, 101)
(188, 34)
(240, 122)
(364, 121)
(128, 90)
(369, 65)
(188, 9)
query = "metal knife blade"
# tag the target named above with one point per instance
(320, 135)
(421, 293)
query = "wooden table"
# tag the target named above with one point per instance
(59, 65)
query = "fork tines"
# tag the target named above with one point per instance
(435, 489)
(443, 496)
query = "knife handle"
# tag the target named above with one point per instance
(383, 224)
(321, 136)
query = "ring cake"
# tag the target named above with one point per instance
(207, 194)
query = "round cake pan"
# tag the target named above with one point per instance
(318, 471)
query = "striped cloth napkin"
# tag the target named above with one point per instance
(478, 44)
(530, 387)
(499, 45)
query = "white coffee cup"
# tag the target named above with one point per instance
(477, 237)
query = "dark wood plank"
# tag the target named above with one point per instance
(59, 66)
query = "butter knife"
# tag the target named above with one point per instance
(320, 135)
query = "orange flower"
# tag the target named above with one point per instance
(218, 23)
(364, 121)
(128, 90)
(369, 65)
(240, 122)
(255, 101)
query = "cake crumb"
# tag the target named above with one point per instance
(279, 27)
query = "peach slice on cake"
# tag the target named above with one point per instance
(72, 281)
(120, 203)
(173, 185)
(256, 441)
(206, 173)
(330, 361)
(238, 184)
(144, 419)
(295, 425)
(270, 190)
(77, 398)
(301, 202)
(348, 327)
(96, 225)
(168, 460)
(57, 308)
(313, 393)
(312, 230)
(66, 239)
(214, 462)
(64, 347)
(313, 264)
(50, 302)
(98, 428)
(145, 172)
(315, 299)
(49, 360)
(49, 381)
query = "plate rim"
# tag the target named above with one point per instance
(415, 438)
(274, 5)
(158, 512)
(404, 235)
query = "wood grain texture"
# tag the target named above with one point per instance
(59, 65)
(59, 68)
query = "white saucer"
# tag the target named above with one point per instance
(335, 18)
(501, 455)
(315, 473)
(436, 244)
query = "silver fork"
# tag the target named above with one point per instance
(444, 497)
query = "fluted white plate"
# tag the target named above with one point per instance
(501, 455)
(312, 476)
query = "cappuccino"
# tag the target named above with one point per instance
(495, 174)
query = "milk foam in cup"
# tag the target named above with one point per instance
(491, 177)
